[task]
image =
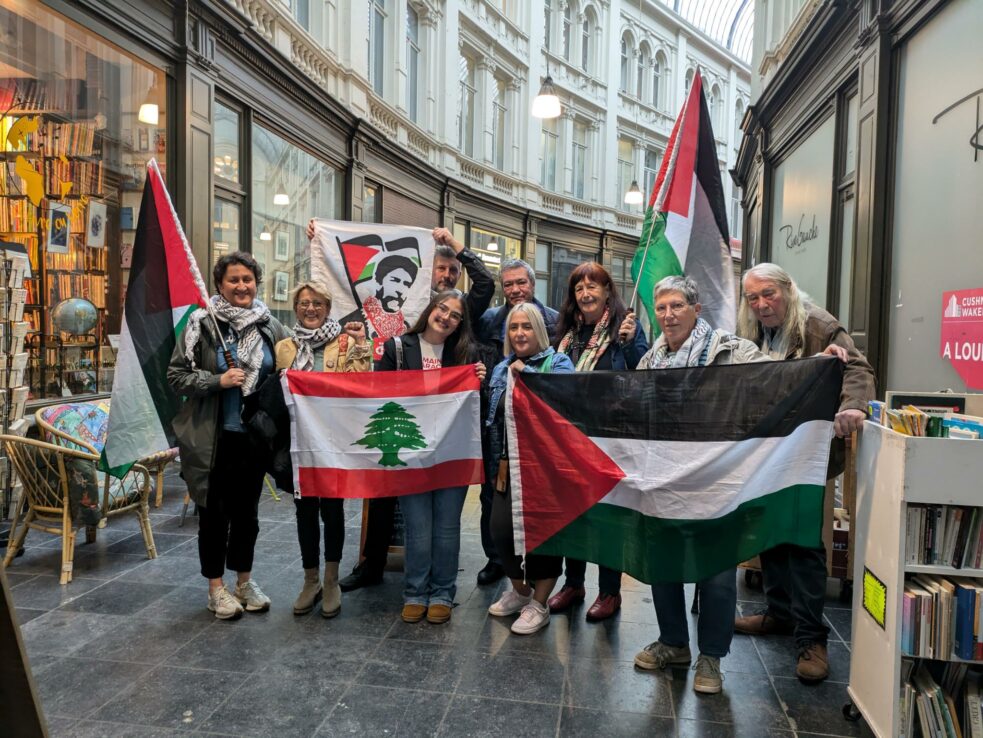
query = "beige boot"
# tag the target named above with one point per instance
(310, 594)
(331, 605)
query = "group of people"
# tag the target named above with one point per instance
(219, 367)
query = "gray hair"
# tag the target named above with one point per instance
(793, 325)
(677, 283)
(444, 251)
(510, 264)
(538, 326)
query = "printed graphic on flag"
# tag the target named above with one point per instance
(381, 434)
(377, 274)
(673, 474)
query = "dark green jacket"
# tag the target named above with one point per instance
(197, 423)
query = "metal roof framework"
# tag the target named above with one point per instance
(728, 22)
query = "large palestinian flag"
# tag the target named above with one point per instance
(165, 286)
(381, 434)
(685, 227)
(672, 474)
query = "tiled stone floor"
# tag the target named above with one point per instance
(128, 649)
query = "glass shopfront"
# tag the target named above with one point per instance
(79, 120)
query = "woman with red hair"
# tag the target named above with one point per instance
(597, 331)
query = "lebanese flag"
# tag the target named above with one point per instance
(382, 434)
(685, 226)
(164, 288)
(675, 474)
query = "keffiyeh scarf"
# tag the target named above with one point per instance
(693, 352)
(385, 324)
(308, 341)
(245, 335)
(595, 347)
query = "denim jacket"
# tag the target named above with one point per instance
(559, 364)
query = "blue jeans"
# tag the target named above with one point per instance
(715, 627)
(433, 545)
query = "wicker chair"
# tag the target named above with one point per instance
(56, 479)
(83, 425)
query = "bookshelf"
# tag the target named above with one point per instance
(893, 472)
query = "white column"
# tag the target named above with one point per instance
(529, 127)
(484, 111)
(397, 25)
(565, 150)
(608, 175)
(679, 76)
(430, 70)
(514, 129)
(447, 58)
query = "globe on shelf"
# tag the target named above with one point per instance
(75, 315)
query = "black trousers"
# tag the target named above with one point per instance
(228, 524)
(332, 514)
(795, 585)
(487, 539)
(537, 567)
(375, 551)
(608, 580)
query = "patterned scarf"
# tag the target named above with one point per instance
(595, 347)
(384, 323)
(308, 341)
(691, 353)
(245, 335)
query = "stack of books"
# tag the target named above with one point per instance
(944, 535)
(926, 421)
(940, 617)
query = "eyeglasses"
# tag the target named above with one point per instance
(307, 304)
(448, 313)
(674, 307)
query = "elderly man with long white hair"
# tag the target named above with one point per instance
(784, 324)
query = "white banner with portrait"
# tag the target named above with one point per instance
(377, 274)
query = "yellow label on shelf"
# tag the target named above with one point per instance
(875, 597)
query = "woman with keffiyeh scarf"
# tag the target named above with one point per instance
(321, 344)
(597, 331)
(219, 461)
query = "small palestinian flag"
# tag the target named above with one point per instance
(381, 434)
(685, 227)
(674, 474)
(164, 288)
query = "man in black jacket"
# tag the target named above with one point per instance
(449, 256)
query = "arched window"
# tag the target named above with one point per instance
(586, 31)
(658, 85)
(716, 107)
(738, 116)
(689, 80)
(624, 64)
(567, 31)
(643, 62)
(548, 17)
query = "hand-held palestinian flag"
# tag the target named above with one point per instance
(685, 227)
(673, 474)
(381, 434)
(165, 286)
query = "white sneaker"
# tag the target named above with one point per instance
(510, 603)
(534, 617)
(224, 605)
(252, 597)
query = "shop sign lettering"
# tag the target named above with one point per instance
(962, 334)
(794, 239)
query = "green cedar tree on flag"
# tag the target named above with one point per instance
(164, 288)
(675, 475)
(685, 226)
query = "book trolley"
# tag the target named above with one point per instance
(895, 472)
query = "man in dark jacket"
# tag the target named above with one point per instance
(449, 256)
(518, 285)
(779, 319)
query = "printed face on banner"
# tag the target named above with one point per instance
(378, 274)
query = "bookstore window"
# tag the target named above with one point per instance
(229, 188)
(562, 261)
(79, 120)
(371, 203)
(289, 186)
(493, 249)
(542, 269)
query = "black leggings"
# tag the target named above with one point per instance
(332, 512)
(228, 524)
(537, 567)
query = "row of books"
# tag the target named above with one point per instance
(17, 215)
(90, 286)
(80, 258)
(86, 176)
(940, 617)
(944, 535)
(940, 701)
(934, 423)
(69, 139)
(63, 95)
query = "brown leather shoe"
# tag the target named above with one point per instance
(762, 624)
(813, 663)
(438, 614)
(604, 607)
(566, 598)
(414, 613)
